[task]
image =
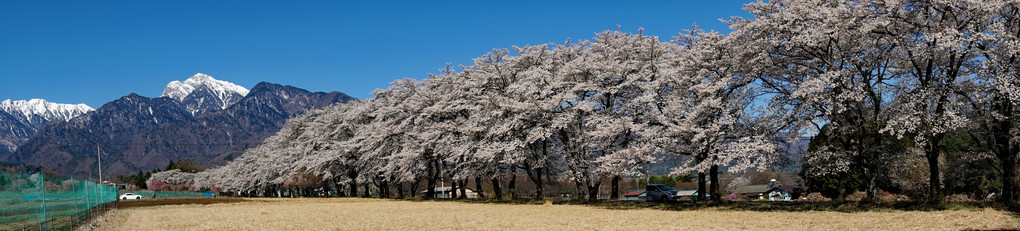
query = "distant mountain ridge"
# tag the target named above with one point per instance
(139, 133)
(20, 119)
(38, 111)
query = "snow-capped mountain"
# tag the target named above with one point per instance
(202, 93)
(20, 119)
(37, 112)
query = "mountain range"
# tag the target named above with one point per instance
(203, 119)
(22, 118)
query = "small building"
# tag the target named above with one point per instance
(772, 191)
(753, 192)
(635, 195)
(781, 193)
(447, 192)
(687, 195)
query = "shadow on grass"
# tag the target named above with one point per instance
(178, 201)
(758, 206)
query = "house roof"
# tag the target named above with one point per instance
(760, 188)
(634, 194)
(687, 193)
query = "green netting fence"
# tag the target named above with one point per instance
(40, 202)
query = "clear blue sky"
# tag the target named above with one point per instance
(93, 52)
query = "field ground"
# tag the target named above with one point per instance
(124, 204)
(383, 214)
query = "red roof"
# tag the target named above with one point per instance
(633, 194)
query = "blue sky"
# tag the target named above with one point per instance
(93, 52)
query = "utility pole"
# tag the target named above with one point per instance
(100, 165)
(442, 181)
(648, 173)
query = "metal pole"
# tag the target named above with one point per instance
(42, 195)
(74, 195)
(88, 200)
(442, 180)
(648, 174)
(100, 164)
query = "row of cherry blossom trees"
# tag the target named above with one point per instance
(877, 73)
(589, 110)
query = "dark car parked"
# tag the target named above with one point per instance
(659, 192)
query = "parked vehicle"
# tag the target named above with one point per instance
(659, 192)
(130, 196)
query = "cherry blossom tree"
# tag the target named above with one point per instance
(832, 64)
(600, 120)
(937, 49)
(704, 104)
(995, 95)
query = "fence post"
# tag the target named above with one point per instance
(42, 196)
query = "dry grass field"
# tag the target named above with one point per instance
(378, 214)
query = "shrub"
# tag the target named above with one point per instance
(956, 198)
(885, 197)
(816, 197)
(157, 185)
(857, 196)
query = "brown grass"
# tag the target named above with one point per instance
(378, 214)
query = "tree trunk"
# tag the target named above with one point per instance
(453, 189)
(701, 186)
(578, 189)
(593, 192)
(478, 187)
(714, 186)
(400, 190)
(1009, 180)
(414, 187)
(934, 184)
(869, 167)
(384, 189)
(841, 188)
(872, 185)
(353, 175)
(539, 185)
(366, 193)
(615, 192)
(430, 186)
(512, 186)
(496, 190)
(1006, 151)
(463, 189)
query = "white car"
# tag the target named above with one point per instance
(130, 196)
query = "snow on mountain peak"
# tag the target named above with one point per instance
(179, 90)
(201, 77)
(27, 109)
(224, 93)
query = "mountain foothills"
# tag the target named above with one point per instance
(20, 119)
(201, 118)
